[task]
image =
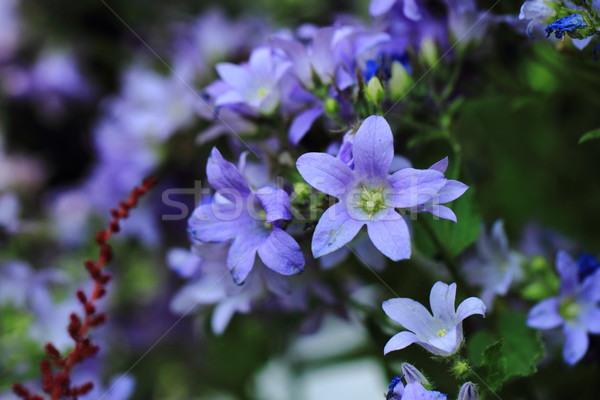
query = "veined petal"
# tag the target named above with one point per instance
(281, 253)
(334, 229)
(276, 203)
(326, 173)
(451, 191)
(413, 187)
(217, 222)
(412, 315)
(569, 273)
(590, 288)
(441, 298)
(299, 57)
(373, 148)
(576, 344)
(391, 237)
(303, 122)
(470, 306)
(399, 341)
(593, 320)
(544, 315)
(242, 254)
(225, 178)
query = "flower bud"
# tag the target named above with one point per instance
(396, 389)
(461, 368)
(429, 52)
(411, 374)
(468, 391)
(400, 81)
(331, 106)
(375, 93)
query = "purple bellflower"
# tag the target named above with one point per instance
(440, 333)
(494, 267)
(252, 220)
(576, 309)
(367, 194)
(256, 83)
(536, 11)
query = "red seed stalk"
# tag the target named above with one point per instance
(56, 369)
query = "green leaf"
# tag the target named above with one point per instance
(523, 346)
(493, 370)
(595, 134)
(477, 345)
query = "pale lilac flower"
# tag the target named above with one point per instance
(576, 309)
(494, 267)
(211, 285)
(536, 12)
(9, 212)
(440, 333)
(251, 220)
(368, 194)
(256, 83)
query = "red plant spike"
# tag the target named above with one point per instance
(56, 369)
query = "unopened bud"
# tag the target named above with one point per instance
(331, 106)
(461, 368)
(400, 81)
(375, 93)
(429, 52)
(468, 391)
(412, 374)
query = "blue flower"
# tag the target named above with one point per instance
(570, 24)
(575, 309)
(396, 389)
(440, 333)
(368, 194)
(588, 264)
(252, 220)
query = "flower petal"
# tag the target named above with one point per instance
(590, 288)
(391, 237)
(242, 254)
(413, 187)
(411, 10)
(276, 203)
(225, 178)
(217, 222)
(334, 229)
(442, 212)
(416, 391)
(236, 76)
(441, 165)
(326, 173)
(593, 320)
(399, 341)
(378, 7)
(412, 315)
(441, 299)
(303, 122)
(544, 315)
(470, 306)
(281, 253)
(373, 148)
(447, 344)
(451, 191)
(569, 273)
(576, 344)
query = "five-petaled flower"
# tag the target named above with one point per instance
(252, 220)
(440, 333)
(368, 194)
(576, 308)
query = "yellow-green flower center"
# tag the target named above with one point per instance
(262, 92)
(371, 200)
(442, 332)
(569, 309)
